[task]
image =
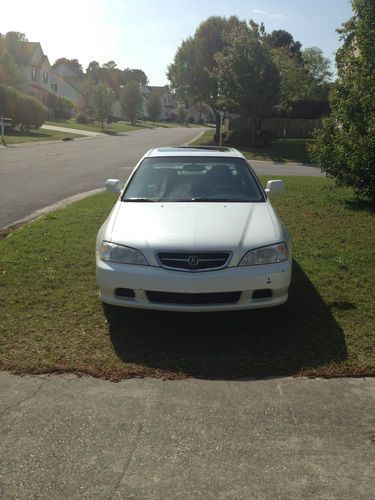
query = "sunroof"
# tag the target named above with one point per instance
(194, 148)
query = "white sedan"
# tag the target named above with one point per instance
(193, 230)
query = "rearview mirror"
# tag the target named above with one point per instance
(113, 186)
(275, 186)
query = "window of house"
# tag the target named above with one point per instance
(33, 74)
(45, 77)
(54, 86)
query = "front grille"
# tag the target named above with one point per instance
(193, 261)
(193, 298)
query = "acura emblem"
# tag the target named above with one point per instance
(193, 260)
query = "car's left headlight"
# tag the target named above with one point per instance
(112, 252)
(266, 255)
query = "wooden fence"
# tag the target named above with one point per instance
(293, 128)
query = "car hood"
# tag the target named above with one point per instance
(235, 227)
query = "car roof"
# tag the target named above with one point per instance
(221, 152)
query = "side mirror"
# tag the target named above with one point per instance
(275, 186)
(113, 186)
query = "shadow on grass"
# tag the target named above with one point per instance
(360, 205)
(298, 337)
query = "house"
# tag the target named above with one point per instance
(167, 101)
(39, 79)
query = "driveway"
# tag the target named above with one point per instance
(66, 437)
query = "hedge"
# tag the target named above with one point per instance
(23, 109)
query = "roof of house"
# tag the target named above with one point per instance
(160, 91)
(24, 51)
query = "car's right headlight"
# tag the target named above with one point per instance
(270, 254)
(111, 252)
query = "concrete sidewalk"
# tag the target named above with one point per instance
(64, 437)
(87, 133)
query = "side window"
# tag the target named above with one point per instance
(33, 74)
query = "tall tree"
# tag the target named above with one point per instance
(317, 65)
(72, 63)
(153, 107)
(247, 77)
(192, 74)
(9, 74)
(136, 75)
(102, 98)
(278, 39)
(132, 102)
(345, 146)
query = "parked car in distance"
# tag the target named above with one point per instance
(193, 230)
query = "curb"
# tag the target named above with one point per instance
(50, 208)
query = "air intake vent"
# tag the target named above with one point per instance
(193, 298)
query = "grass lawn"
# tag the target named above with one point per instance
(282, 150)
(38, 135)
(51, 319)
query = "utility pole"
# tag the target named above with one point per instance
(221, 127)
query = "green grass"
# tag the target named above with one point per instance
(282, 150)
(38, 135)
(51, 319)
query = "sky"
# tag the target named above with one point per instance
(145, 34)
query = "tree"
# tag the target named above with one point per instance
(192, 74)
(9, 74)
(94, 71)
(132, 102)
(153, 107)
(102, 100)
(278, 39)
(181, 114)
(294, 79)
(87, 91)
(317, 66)
(345, 146)
(72, 63)
(136, 75)
(248, 79)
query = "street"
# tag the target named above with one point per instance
(34, 176)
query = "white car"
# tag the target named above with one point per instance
(193, 230)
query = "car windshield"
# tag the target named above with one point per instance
(193, 179)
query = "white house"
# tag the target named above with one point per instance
(39, 79)
(167, 101)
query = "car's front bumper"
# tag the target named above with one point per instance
(245, 279)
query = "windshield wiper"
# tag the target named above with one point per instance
(201, 198)
(140, 199)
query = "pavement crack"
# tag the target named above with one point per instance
(128, 461)
(14, 405)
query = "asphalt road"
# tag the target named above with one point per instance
(33, 176)
(63, 437)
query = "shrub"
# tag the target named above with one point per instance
(8, 103)
(82, 118)
(30, 112)
(23, 109)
